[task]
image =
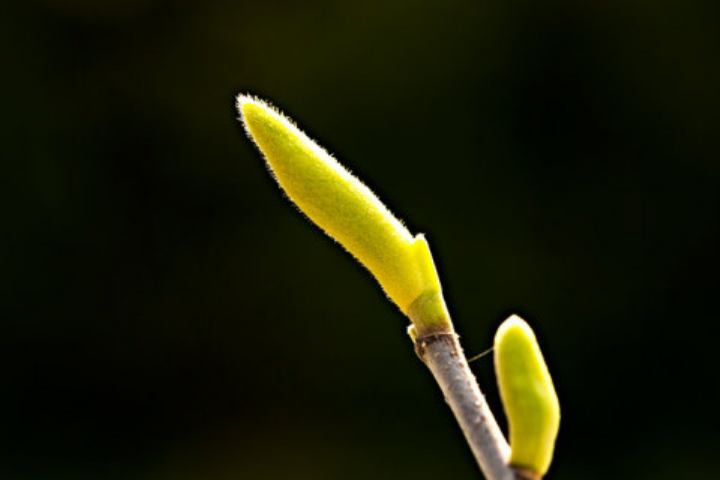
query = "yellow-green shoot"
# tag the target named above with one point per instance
(528, 396)
(349, 212)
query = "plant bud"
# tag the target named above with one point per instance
(349, 212)
(528, 396)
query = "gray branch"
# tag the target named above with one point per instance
(444, 357)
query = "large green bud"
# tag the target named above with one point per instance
(350, 213)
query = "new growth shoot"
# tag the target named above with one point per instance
(331, 197)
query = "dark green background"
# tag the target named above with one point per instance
(166, 314)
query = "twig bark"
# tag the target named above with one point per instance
(444, 356)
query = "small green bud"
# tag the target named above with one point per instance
(528, 396)
(349, 212)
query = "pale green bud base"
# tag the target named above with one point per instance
(526, 474)
(429, 316)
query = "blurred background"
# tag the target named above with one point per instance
(166, 314)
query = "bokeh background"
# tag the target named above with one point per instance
(166, 314)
